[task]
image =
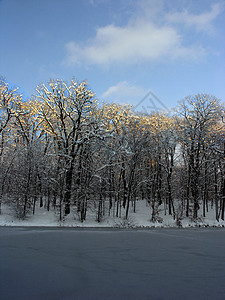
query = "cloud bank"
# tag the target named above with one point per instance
(201, 22)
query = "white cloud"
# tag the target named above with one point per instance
(142, 100)
(143, 38)
(96, 2)
(202, 22)
(123, 92)
(142, 41)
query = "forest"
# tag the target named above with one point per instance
(61, 149)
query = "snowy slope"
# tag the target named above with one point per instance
(141, 218)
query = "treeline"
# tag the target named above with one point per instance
(63, 150)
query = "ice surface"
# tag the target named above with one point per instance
(112, 264)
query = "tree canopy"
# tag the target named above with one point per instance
(61, 149)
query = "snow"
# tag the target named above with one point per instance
(139, 219)
(91, 264)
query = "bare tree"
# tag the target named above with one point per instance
(67, 113)
(198, 114)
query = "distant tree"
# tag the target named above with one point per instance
(65, 151)
(67, 114)
(9, 100)
(198, 115)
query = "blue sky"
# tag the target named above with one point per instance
(123, 48)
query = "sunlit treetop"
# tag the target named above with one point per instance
(116, 116)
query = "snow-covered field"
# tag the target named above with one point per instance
(116, 264)
(141, 218)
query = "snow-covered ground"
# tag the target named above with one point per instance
(141, 218)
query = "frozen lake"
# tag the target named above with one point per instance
(112, 264)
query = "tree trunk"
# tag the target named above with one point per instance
(68, 186)
(216, 191)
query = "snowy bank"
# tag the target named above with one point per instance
(140, 219)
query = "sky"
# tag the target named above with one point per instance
(127, 50)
